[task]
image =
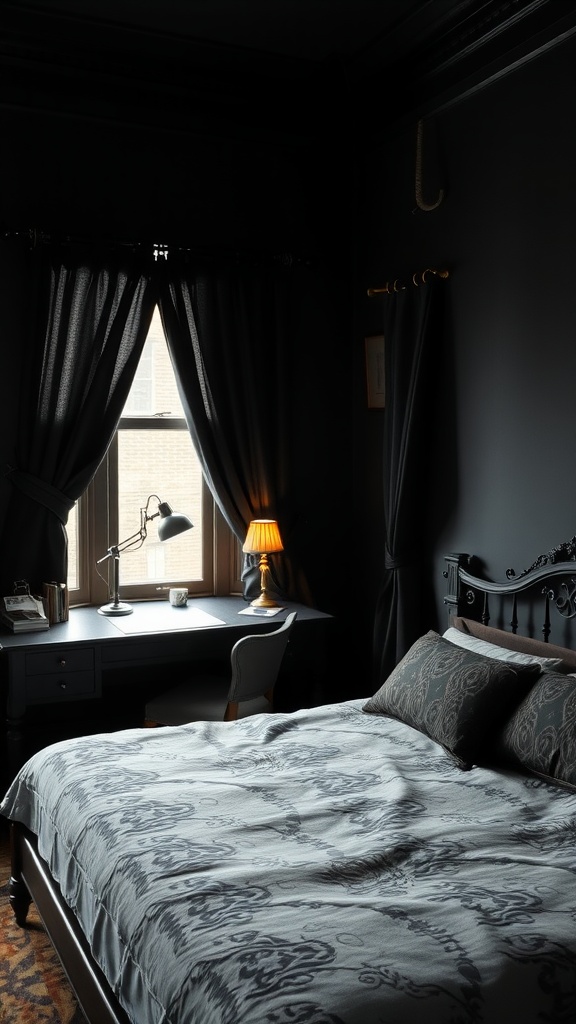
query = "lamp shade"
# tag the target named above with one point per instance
(263, 536)
(171, 523)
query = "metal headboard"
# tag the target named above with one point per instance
(548, 584)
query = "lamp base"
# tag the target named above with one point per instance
(116, 608)
(263, 601)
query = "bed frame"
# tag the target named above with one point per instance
(549, 584)
(528, 598)
(31, 881)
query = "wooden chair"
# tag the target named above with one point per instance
(215, 697)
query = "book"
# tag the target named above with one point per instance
(23, 613)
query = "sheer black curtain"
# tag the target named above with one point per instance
(228, 328)
(413, 330)
(89, 313)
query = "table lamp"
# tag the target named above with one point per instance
(170, 525)
(263, 538)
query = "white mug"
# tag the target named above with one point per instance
(178, 596)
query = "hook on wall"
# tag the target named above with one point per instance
(420, 203)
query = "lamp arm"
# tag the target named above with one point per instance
(137, 539)
(133, 542)
(144, 515)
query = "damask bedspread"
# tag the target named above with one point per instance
(321, 867)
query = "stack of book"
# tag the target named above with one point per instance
(23, 613)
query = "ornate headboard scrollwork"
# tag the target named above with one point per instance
(551, 578)
(565, 552)
(566, 600)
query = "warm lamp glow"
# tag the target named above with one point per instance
(262, 538)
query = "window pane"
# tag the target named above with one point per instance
(154, 391)
(72, 531)
(151, 454)
(163, 463)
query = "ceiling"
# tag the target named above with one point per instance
(301, 30)
(309, 30)
(296, 69)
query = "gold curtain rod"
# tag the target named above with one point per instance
(418, 278)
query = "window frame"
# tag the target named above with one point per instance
(97, 521)
(97, 532)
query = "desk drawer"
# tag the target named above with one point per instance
(141, 652)
(63, 660)
(46, 689)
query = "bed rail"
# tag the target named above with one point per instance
(31, 881)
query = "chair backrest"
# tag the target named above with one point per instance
(255, 662)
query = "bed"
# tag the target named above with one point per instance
(406, 857)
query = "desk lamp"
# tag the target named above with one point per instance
(262, 539)
(170, 525)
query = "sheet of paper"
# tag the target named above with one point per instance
(150, 618)
(261, 613)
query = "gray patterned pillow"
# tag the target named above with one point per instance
(457, 697)
(541, 733)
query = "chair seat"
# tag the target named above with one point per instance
(214, 695)
(199, 700)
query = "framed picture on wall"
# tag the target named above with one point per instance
(375, 370)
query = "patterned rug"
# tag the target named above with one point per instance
(33, 986)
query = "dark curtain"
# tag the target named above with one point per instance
(413, 330)
(88, 319)
(229, 333)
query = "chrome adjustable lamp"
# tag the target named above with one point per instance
(170, 525)
(263, 538)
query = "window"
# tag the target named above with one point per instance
(151, 454)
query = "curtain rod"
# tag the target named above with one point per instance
(418, 278)
(160, 250)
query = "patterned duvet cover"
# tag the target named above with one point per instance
(322, 867)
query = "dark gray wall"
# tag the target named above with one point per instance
(505, 466)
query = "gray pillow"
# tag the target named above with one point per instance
(457, 697)
(516, 642)
(540, 735)
(474, 643)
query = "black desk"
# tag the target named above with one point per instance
(76, 660)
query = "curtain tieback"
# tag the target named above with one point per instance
(45, 494)
(394, 563)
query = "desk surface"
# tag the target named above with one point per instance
(150, 618)
(100, 662)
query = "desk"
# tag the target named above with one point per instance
(73, 661)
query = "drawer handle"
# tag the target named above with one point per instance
(62, 685)
(62, 661)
